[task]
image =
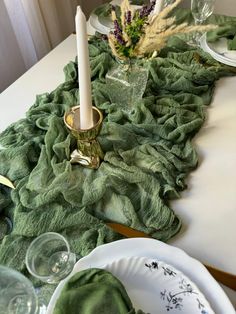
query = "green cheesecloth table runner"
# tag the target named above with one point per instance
(148, 155)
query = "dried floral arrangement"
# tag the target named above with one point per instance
(140, 33)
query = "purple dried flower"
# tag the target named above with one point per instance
(146, 10)
(120, 39)
(143, 11)
(117, 27)
(128, 17)
(118, 33)
(152, 5)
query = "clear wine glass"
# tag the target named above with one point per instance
(49, 258)
(17, 294)
(201, 10)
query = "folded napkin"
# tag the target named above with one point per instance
(94, 291)
(224, 31)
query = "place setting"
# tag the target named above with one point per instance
(144, 276)
(152, 284)
(220, 47)
(219, 43)
(87, 179)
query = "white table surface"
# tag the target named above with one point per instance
(208, 206)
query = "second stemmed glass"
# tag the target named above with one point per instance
(17, 294)
(49, 258)
(201, 10)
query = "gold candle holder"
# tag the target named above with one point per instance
(88, 152)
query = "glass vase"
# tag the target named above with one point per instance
(126, 83)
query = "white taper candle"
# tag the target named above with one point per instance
(84, 72)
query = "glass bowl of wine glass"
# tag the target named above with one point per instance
(49, 258)
(17, 294)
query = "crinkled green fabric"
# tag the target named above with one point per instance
(148, 154)
(94, 291)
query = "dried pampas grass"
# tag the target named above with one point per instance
(153, 35)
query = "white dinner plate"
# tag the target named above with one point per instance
(219, 51)
(153, 249)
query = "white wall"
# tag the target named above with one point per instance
(29, 29)
(11, 62)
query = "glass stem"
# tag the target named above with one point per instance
(197, 35)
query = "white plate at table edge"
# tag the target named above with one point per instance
(151, 248)
(217, 56)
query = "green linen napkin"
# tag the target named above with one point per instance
(224, 31)
(94, 291)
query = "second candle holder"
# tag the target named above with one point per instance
(88, 152)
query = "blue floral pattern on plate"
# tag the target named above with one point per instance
(175, 298)
(157, 287)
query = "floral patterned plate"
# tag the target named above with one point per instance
(157, 287)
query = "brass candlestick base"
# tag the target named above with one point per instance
(88, 152)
